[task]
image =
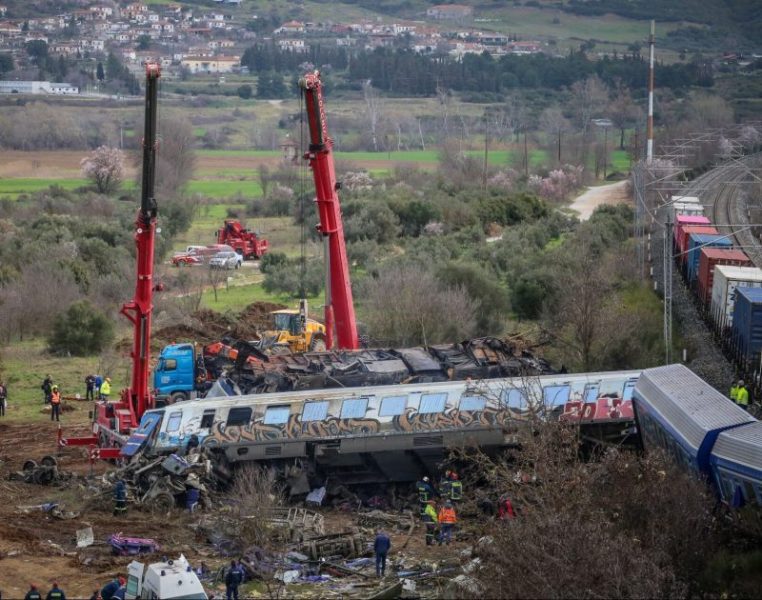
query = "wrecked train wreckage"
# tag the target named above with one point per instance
(385, 433)
(254, 372)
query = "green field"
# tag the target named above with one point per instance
(238, 297)
(11, 188)
(225, 188)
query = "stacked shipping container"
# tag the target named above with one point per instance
(747, 326)
(727, 279)
(709, 258)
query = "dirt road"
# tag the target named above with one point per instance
(615, 193)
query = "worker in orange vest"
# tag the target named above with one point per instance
(55, 404)
(447, 519)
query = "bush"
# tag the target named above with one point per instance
(273, 262)
(287, 278)
(80, 331)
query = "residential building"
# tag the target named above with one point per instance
(292, 44)
(211, 64)
(37, 87)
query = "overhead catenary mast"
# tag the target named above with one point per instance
(650, 125)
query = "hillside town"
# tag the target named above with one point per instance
(189, 41)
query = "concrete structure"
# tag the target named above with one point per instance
(450, 12)
(211, 64)
(37, 87)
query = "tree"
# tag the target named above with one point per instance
(37, 51)
(81, 331)
(373, 111)
(100, 74)
(176, 159)
(624, 112)
(105, 168)
(554, 124)
(245, 91)
(407, 306)
(6, 62)
(144, 42)
(588, 98)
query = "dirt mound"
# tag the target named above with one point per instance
(210, 326)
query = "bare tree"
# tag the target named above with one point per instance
(554, 124)
(588, 98)
(624, 112)
(408, 306)
(176, 159)
(105, 167)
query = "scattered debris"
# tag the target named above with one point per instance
(44, 473)
(85, 537)
(129, 546)
(347, 545)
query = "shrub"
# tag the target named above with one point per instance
(273, 262)
(80, 331)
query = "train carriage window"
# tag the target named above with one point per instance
(354, 408)
(472, 403)
(173, 423)
(432, 403)
(592, 392)
(556, 395)
(391, 406)
(629, 387)
(207, 419)
(276, 415)
(748, 491)
(239, 416)
(515, 398)
(315, 411)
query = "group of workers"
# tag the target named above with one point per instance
(441, 519)
(97, 387)
(55, 593)
(740, 394)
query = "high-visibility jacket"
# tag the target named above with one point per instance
(456, 490)
(105, 388)
(55, 397)
(447, 515)
(430, 514)
(733, 392)
(742, 396)
(424, 491)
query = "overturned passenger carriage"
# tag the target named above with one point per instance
(387, 433)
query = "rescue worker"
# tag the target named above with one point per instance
(381, 547)
(98, 384)
(444, 484)
(3, 398)
(426, 492)
(734, 392)
(55, 404)
(742, 395)
(106, 389)
(33, 593)
(89, 387)
(55, 593)
(108, 590)
(455, 487)
(233, 579)
(47, 387)
(505, 508)
(430, 519)
(120, 498)
(192, 493)
(447, 519)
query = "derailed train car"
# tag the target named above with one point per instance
(386, 433)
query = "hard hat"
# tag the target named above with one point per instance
(426, 479)
(740, 382)
(55, 387)
(108, 379)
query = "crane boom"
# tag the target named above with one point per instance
(339, 306)
(139, 309)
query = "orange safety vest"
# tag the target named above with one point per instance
(447, 515)
(55, 397)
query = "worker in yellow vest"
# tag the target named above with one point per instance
(106, 389)
(742, 395)
(734, 392)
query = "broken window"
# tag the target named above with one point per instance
(354, 408)
(207, 420)
(315, 411)
(556, 395)
(391, 406)
(173, 423)
(472, 403)
(276, 415)
(432, 403)
(239, 416)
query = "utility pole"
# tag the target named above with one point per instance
(526, 156)
(486, 151)
(650, 126)
(667, 268)
(605, 149)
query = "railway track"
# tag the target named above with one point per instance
(723, 191)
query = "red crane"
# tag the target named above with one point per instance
(114, 420)
(339, 306)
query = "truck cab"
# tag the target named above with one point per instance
(170, 580)
(177, 372)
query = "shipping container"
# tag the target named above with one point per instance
(685, 233)
(747, 325)
(687, 221)
(697, 241)
(686, 208)
(709, 258)
(726, 279)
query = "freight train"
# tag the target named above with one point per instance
(725, 286)
(384, 433)
(703, 430)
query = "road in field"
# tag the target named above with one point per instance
(615, 193)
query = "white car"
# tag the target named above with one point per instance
(226, 260)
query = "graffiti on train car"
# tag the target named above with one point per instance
(257, 431)
(601, 410)
(412, 420)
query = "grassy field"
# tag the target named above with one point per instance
(11, 188)
(235, 298)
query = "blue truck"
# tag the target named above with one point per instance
(180, 372)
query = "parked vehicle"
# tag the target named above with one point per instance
(198, 255)
(168, 579)
(226, 260)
